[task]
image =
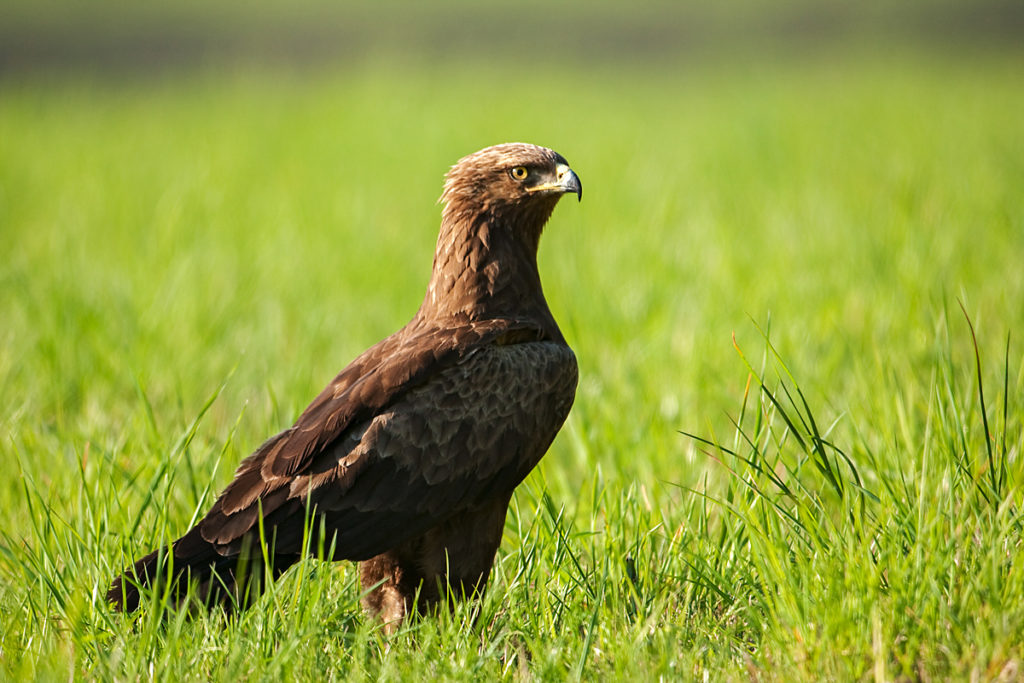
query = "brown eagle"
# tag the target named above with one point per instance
(407, 461)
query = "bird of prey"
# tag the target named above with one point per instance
(407, 460)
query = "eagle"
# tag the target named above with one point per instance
(406, 462)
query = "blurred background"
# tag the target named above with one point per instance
(123, 38)
(192, 189)
(116, 38)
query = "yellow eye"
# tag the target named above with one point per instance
(519, 173)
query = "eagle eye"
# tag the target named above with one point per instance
(519, 173)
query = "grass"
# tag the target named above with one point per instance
(187, 261)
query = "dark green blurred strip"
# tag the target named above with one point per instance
(123, 38)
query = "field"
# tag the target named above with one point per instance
(788, 459)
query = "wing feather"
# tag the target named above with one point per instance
(415, 427)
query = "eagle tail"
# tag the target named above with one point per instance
(231, 581)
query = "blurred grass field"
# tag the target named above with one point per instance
(239, 235)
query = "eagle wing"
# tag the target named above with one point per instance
(415, 429)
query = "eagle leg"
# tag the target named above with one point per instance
(452, 560)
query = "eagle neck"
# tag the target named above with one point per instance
(485, 266)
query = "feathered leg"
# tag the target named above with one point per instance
(452, 560)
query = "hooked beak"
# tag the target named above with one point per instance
(566, 181)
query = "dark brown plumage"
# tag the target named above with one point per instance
(407, 461)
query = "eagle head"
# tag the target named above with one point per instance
(518, 177)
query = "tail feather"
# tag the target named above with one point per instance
(233, 580)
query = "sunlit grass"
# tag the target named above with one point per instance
(187, 262)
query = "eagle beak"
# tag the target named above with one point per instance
(566, 181)
(569, 181)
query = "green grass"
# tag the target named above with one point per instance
(187, 261)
